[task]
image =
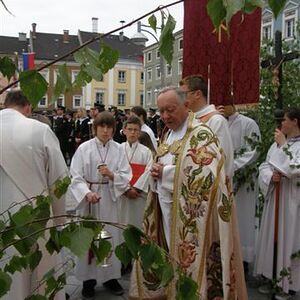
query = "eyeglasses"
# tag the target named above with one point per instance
(190, 91)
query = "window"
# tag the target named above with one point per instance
(149, 74)
(122, 76)
(168, 70)
(158, 73)
(43, 102)
(267, 27)
(142, 77)
(180, 44)
(60, 101)
(99, 97)
(45, 74)
(149, 56)
(74, 75)
(77, 101)
(289, 23)
(149, 97)
(157, 54)
(141, 99)
(121, 98)
(180, 66)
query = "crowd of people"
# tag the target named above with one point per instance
(176, 164)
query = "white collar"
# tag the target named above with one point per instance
(205, 110)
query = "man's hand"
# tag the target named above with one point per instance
(221, 109)
(132, 193)
(157, 170)
(279, 137)
(92, 197)
(276, 176)
(104, 170)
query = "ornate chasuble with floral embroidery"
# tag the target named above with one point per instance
(203, 234)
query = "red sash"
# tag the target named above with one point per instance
(137, 172)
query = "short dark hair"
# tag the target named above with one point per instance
(15, 98)
(140, 111)
(194, 83)
(293, 113)
(104, 118)
(133, 120)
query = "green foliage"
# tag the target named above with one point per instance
(216, 11)
(33, 85)
(152, 22)
(5, 283)
(7, 67)
(61, 186)
(133, 238)
(102, 249)
(186, 288)
(276, 6)
(166, 40)
(123, 254)
(108, 58)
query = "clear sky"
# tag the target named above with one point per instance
(56, 15)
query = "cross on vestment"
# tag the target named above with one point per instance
(276, 64)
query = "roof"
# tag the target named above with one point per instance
(49, 46)
(9, 45)
(127, 49)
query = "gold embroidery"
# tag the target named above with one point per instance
(174, 148)
(225, 209)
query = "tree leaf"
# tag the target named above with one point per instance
(33, 85)
(153, 22)
(85, 236)
(166, 40)
(16, 263)
(232, 7)
(133, 238)
(276, 6)
(81, 79)
(186, 288)
(252, 5)
(150, 254)
(5, 283)
(108, 58)
(61, 186)
(34, 259)
(216, 12)
(123, 254)
(167, 274)
(7, 67)
(102, 250)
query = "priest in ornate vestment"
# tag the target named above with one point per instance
(192, 215)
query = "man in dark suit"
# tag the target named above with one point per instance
(153, 120)
(61, 129)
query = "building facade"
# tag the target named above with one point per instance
(122, 86)
(157, 73)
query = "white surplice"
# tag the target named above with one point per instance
(132, 210)
(242, 127)
(219, 126)
(284, 159)
(84, 170)
(165, 185)
(30, 163)
(149, 131)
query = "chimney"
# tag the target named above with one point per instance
(121, 36)
(33, 34)
(94, 24)
(66, 36)
(22, 37)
